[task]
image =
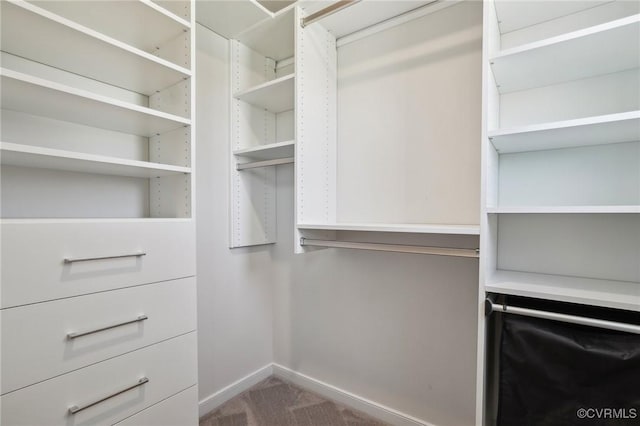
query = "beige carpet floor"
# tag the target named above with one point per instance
(274, 402)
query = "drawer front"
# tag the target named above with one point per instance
(179, 410)
(35, 340)
(109, 391)
(34, 267)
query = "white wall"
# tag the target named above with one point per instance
(398, 329)
(409, 121)
(234, 286)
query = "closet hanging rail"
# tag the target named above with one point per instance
(329, 10)
(491, 306)
(438, 251)
(265, 163)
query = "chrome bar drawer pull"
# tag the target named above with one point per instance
(108, 327)
(86, 259)
(77, 408)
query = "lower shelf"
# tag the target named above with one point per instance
(605, 129)
(268, 152)
(46, 158)
(610, 294)
(274, 96)
(411, 228)
(563, 209)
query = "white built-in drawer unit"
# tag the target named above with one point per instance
(98, 306)
(50, 339)
(175, 411)
(44, 261)
(109, 391)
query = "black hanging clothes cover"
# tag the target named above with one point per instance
(559, 374)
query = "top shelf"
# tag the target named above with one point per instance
(272, 37)
(230, 18)
(121, 20)
(598, 50)
(51, 38)
(411, 228)
(270, 34)
(361, 15)
(514, 15)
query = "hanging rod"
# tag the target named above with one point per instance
(438, 251)
(490, 307)
(329, 10)
(265, 163)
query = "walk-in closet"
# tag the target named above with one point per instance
(319, 212)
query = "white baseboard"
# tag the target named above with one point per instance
(379, 411)
(215, 400)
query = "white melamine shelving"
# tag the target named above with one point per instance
(560, 165)
(62, 221)
(563, 209)
(605, 129)
(601, 49)
(97, 157)
(605, 293)
(122, 20)
(362, 15)
(249, 22)
(272, 37)
(262, 110)
(37, 96)
(363, 106)
(396, 227)
(514, 15)
(45, 158)
(268, 152)
(50, 39)
(230, 18)
(275, 96)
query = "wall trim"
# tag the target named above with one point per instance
(349, 399)
(374, 409)
(216, 399)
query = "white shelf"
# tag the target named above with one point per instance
(563, 209)
(230, 18)
(605, 129)
(602, 49)
(64, 220)
(397, 227)
(270, 34)
(51, 38)
(36, 96)
(275, 6)
(610, 294)
(45, 158)
(273, 37)
(361, 15)
(274, 96)
(268, 152)
(513, 15)
(121, 20)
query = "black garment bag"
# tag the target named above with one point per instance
(558, 374)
